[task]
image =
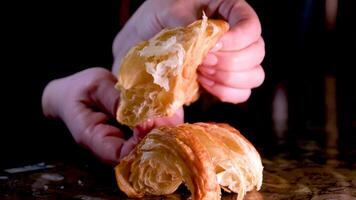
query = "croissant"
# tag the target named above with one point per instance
(203, 156)
(158, 76)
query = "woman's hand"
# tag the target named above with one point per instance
(86, 102)
(232, 68)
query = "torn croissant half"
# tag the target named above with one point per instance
(203, 156)
(158, 76)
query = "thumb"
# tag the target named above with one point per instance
(129, 145)
(177, 118)
(143, 129)
(105, 95)
(147, 21)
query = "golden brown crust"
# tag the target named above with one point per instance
(237, 164)
(158, 76)
(168, 152)
(201, 155)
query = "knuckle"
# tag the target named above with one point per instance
(97, 73)
(86, 137)
(92, 77)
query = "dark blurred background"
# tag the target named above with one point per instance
(309, 93)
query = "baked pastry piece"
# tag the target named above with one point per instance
(158, 76)
(203, 156)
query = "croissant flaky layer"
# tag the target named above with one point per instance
(158, 76)
(203, 156)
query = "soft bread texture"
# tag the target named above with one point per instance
(158, 76)
(203, 156)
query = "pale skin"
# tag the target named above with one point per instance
(87, 100)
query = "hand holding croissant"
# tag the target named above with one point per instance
(156, 78)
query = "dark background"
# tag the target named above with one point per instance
(47, 40)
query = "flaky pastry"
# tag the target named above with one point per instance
(203, 156)
(158, 76)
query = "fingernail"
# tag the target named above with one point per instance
(217, 47)
(207, 70)
(206, 81)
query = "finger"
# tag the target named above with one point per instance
(108, 149)
(178, 15)
(90, 130)
(104, 141)
(224, 93)
(129, 145)
(141, 130)
(242, 80)
(105, 95)
(177, 118)
(244, 23)
(244, 59)
(210, 60)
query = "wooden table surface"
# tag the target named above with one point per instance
(308, 173)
